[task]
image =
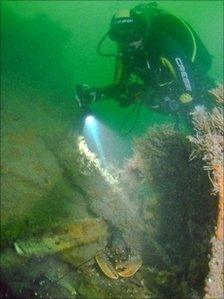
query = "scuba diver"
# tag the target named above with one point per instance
(160, 62)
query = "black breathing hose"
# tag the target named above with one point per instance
(125, 133)
(99, 48)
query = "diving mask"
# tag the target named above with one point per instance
(124, 31)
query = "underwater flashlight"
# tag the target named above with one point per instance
(89, 120)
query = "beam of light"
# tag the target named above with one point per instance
(110, 147)
(95, 161)
(91, 133)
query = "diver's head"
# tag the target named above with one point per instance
(127, 31)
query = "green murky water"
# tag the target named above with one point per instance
(47, 48)
(58, 44)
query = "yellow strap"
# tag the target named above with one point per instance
(185, 98)
(168, 64)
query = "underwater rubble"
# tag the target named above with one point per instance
(71, 229)
(53, 207)
(165, 225)
(183, 213)
(208, 143)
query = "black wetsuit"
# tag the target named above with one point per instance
(172, 62)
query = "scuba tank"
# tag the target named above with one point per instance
(158, 21)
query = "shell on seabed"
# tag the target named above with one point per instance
(128, 268)
(106, 267)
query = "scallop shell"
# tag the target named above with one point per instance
(106, 267)
(128, 268)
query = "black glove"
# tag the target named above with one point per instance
(86, 96)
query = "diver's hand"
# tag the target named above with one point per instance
(86, 95)
(81, 95)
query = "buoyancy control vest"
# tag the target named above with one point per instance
(158, 22)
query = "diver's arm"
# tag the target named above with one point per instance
(119, 86)
(119, 90)
(86, 96)
(113, 91)
(122, 90)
